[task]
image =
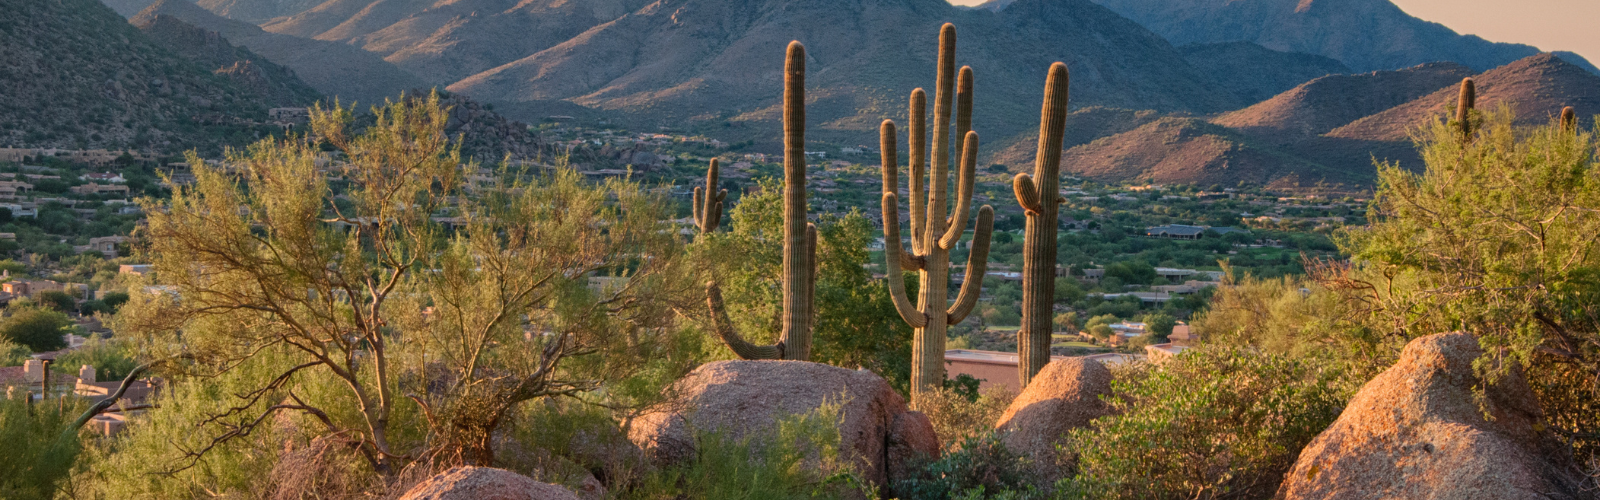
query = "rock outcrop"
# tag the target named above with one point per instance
(485, 483)
(1064, 395)
(1417, 431)
(748, 398)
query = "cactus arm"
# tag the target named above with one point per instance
(891, 184)
(977, 265)
(1027, 193)
(939, 168)
(699, 209)
(918, 140)
(964, 181)
(963, 108)
(724, 330)
(892, 254)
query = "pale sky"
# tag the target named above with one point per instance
(1549, 25)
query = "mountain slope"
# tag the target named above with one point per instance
(1188, 150)
(1255, 73)
(77, 75)
(713, 61)
(257, 11)
(1539, 86)
(1366, 35)
(1318, 106)
(335, 69)
(276, 84)
(449, 41)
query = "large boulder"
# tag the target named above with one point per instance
(912, 442)
(745, 398)
(1417, 432)
(1064, 395)
(485, 483)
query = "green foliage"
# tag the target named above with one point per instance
(856, 323)
(111, 359)
(801, 458)
(114, 300)
(1067, 321)
(36, 460)
(981, 467)
(958, 415)
(1496, 237)
(1214, 422)
(56, 300)
(40, 329)
(1159, 324)
(14, 354)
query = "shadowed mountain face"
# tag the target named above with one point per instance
(1255, 73)
(1366, 35)
(335, 69)
(1315, 107)
(278, 85)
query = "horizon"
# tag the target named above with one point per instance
(1550, 25)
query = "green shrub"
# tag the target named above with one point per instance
(801, 458)
(981, 467)
(111, 359)
(1213, 422)
(34, 462)
(40, 329)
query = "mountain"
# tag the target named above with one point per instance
(1538, 86)
(335, 69)
(1189, 150)
(711, 62)
(275, 84)
(449, 41)
(1254, 73)
(1083, 126)
(1366, 35)
(257, 11)
(75, 74)
(1318, 106)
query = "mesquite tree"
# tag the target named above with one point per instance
(347, 267)
(933, 234)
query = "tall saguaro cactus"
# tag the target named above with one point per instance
(1464, 104)
(708, 202)
(1040, 198)
(799, 236)
(932, 233)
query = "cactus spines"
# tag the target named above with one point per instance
(933, 234)
(1464, 104)
(1569, 119)
(799, 236)
(708, 206)
(1038, 195)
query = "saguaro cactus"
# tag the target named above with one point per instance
(799, 236)
(1040, 198)
(932, 233)
(1569, 119)
(1464, 104)
(708, 206)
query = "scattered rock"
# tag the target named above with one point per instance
(742, 398)
(485, 483)
(1416, 431)
(1064, 395)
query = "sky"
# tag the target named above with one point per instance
(1547, 24)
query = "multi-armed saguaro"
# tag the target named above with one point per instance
(708, 202)
(932, 233)
(799, 236)
(1041, 201)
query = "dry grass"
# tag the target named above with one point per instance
(955, 418)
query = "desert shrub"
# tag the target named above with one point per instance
(57, 300)
(979, 467)
(14, 354)
(35, 460)
(562, 441)
(958, 417)
(801, 458)
(111, 359)
(1215, 422)
(39, 329)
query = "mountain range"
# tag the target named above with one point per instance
(1224, 86)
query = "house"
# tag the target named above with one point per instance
(30, 379)
(93, 188)
(29, 288)
(107, 245)
(1183, 232)
(999, 369)
(1184, 335)
(103, 177)
(289, 116)
(136, 269)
